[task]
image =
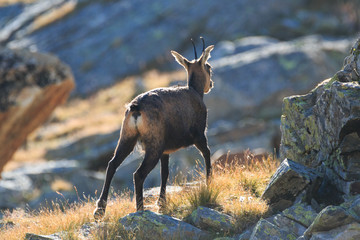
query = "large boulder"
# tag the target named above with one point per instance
(322, 128)
(32, 85)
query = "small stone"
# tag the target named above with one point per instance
(301, 213)
(210, 220)
(329, 218)
(266, 230)
(347, 232)
(288, 224)
(31, 236)
(245, 235)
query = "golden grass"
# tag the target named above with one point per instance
(235, 191)
(49, 221)
(227, 192)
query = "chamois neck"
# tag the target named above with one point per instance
(197, 83)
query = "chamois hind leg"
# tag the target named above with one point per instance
(124, 148)
(164, 177)
(150, 160)
(203, 147)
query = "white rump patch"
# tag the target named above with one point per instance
(135, 122)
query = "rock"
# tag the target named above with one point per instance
(151, 225)
(41, 184)
(287, 224)
(301, 213)
(32, 85)
(266, 230)
(270, 71)
(245, 235)
(210, 220)
(31, 236)
(252, 79)
(354, 208)
(329, 218)
(347, 232)
(289, 180)
(122, 43)
(321, 129)
(14, 190)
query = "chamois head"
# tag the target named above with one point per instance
(198, 70)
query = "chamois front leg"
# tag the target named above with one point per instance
(164, 177)
(150, 160)
(203, 147)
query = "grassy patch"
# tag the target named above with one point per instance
(234, 191)
(203, 196)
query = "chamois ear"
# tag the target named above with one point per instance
(206, 54)
(180, 59)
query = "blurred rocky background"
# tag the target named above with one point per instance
(264, 51)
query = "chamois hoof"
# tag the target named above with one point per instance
(161, 202)
(99, 213)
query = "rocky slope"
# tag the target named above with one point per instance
(296, 191)
(32, 85)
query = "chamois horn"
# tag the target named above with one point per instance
(194, 47)
(202, 39)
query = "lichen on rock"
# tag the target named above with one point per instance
(322, 128)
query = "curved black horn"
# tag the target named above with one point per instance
(194, 47)
(202, 39)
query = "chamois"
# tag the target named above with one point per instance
(163, 120)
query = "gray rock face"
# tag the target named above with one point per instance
(253, 75)
(301, 213)
(322, 128)
(14, 187)
(289, 180)
(125, 37)
(253, 82)
(288, 225)
(155, 226)
(18, 187)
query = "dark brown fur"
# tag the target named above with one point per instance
(163, 120)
